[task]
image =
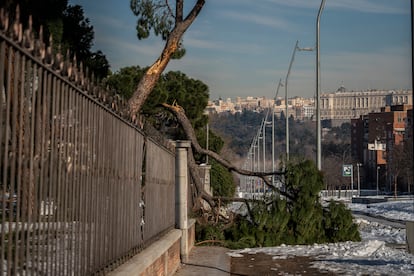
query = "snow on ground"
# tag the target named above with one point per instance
(376, 231)
(374, 255)
(395, 209)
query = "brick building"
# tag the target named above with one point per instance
(374, 138)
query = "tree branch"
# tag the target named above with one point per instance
(178, 11)
(195, 10)
(179, 113)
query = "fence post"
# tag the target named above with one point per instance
(181, 192)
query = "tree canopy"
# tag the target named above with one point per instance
(68, 27)
(173, 87)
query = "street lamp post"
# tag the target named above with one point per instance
(207, 131)
(273, 132)
(286, 93)
(264, 143)
(318, 96)
(258, 155)
(359, 184)
(264, 147)
(253, 164)
(378, 167)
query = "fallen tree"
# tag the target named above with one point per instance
(170, 23)
(185, 123)
(294, 215)
(298, 217)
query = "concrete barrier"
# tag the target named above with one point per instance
(160, 258)
(409, 229)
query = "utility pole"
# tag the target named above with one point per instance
(264, 147)
(378, 179)
(207, 130)
(318, 95)
(273, 131)
(286, 94)
(359, 184)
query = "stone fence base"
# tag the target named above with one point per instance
(162, 258)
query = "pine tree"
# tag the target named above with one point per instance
(338, 223)
(297, 219)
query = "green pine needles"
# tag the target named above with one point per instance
(299, 219)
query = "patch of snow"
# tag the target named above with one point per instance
(371, 256)
(370, 230)
(235, 255)
(400, 210)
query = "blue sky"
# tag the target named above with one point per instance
(243, 47)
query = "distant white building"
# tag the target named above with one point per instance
(338, 107)
(345, 105)
(219, 106)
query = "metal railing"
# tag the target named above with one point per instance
(81, 188)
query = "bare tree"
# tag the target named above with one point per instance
(332, 172)
(399, 164)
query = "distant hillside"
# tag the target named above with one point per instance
(238, 131)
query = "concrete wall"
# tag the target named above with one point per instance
(162, 258)
(191, 234)
(166, 264)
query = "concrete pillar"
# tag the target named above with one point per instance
(409, 230)
(181, 194)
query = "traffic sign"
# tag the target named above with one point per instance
(346, 170)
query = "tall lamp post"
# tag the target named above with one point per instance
(359, 184)
(207, 131)
(378, 167)
(273, 132)
(264, 146)
(286, 93)
(264, 141)
(318, 96)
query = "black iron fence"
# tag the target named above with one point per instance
(82, 189)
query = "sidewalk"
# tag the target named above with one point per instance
(214, 261)
(206, 260)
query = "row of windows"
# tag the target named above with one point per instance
(400, 99)
(360, 102)
(347, 113)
